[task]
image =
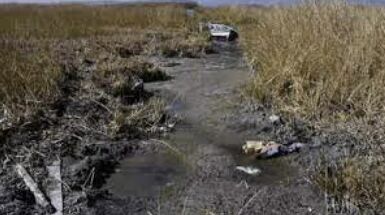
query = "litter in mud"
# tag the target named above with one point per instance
(253, 147)
(295, 147)
(268, 149)
(274, 119)
(54, 189)
(249, 170)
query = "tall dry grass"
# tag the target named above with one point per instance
(71, 21)
(324, 61)
(315, 59)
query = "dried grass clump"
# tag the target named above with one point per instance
(167, 44)
(125, 78)
(147, 71)
(356, 181)
(144, 116)
(190, 46)
(354, 176)
(139, 67)
(28, 77)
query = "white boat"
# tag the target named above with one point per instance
(219, 31)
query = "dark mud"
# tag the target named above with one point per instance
(79, 129)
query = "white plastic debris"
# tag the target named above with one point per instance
(274, 119)
(33, 187)
(54, 189)
(249, 170)
(171, 125)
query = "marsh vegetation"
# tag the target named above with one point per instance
(36, 42)
(323, 61)
(67, 65)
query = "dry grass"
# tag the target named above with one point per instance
(138, 66)
(315, 59)
(33, 38)
(27, 78)
(145, 116)
(324, 62)
(70, 21)
(355, 176)
(354, 182)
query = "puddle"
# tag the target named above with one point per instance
(273, 171)
(190, 138)
(146, 175)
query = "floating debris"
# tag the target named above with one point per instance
(268, 149)
(257, 147)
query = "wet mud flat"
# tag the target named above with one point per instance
(191, 170)
(198, 175)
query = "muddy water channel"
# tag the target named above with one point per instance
(201, 178)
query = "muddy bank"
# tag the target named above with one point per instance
(102, 115)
